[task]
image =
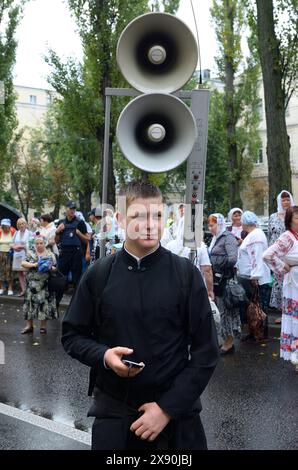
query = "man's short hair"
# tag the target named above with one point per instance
(47, 218)
(140, 189)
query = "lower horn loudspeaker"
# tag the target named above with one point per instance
(156, 132)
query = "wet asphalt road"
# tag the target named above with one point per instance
(250, 403)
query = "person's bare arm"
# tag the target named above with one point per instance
(60, 229)
(208, 275)
(27, 265)
(84, 237)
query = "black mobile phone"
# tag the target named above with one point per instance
(132, 364)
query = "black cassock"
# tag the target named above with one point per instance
(167, 321)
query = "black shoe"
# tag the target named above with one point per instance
(224, 352)
(248, 338)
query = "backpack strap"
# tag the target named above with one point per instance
(102, 268)
(185, 273)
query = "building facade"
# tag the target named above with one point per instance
(31, 105)
(255, 195)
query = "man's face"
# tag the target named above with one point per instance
(144, 222)
(70, 212)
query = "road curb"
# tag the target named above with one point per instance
(11, 299)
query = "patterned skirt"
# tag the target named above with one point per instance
(38, 302)
(6, 273)
(230, 322)
(276, 294)
(289, 331)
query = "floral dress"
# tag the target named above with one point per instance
(276, 227)
(38, 303)
(285, 250)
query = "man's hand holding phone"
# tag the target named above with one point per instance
(122, 367)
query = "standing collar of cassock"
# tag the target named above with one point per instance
(134, 262)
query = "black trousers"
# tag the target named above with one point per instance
(114, 434)
(70, 260)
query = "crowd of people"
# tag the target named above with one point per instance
(68, 246)
(238, 250)
(265, 266)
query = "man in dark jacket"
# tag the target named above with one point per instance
(154, 310)
(71, 234)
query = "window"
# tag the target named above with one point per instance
(32, 99)
(259, 158)
(49, 99)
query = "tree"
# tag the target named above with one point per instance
(240, 96)
(217, 171)
(278, 55)
(26, 173)
(59, 172)
(10, 12)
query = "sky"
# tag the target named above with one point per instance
(48, 24)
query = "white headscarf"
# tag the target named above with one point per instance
(280, 209)
(232, 211)
(221, 227)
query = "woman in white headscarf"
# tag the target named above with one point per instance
(223, 256)
(276, 226)
(234, 217)
(253, 273)
(282, 258)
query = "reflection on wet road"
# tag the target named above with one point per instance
(250, 403)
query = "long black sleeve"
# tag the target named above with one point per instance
(191, 382)
(78, 326)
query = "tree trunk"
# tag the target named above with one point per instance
(278, 144)
(235, 199)
(56, 210)
(85, 202)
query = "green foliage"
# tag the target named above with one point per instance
(240, 112)
(168, 6)
(217, 172)
(10, 11)
(26, 172)
(286, 31)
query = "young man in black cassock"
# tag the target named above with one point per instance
(154, 310)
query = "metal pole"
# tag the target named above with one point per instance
(105, 169)
(195, 177)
